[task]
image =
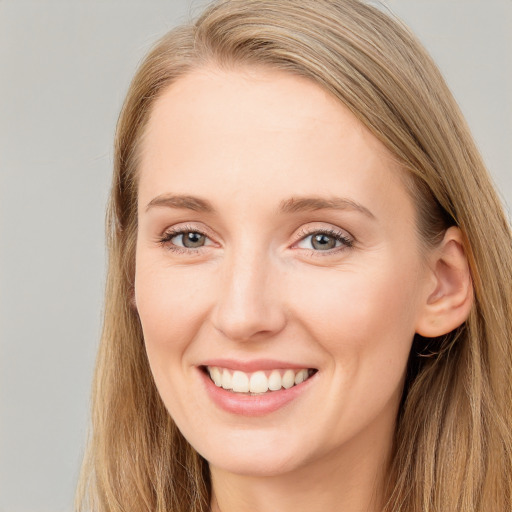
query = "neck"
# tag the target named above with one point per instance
(349, 479)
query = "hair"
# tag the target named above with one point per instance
(453, 444)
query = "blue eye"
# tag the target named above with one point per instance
(184, 239)
(189, 239)
(325, 240)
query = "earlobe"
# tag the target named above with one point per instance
(449, 299)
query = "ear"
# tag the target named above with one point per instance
(449, 293)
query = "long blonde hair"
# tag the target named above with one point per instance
(453, 443)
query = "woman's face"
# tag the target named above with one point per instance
(276, 242)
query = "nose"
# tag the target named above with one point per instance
(249, 303)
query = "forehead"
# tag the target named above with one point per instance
(253, 100)
(263, 133)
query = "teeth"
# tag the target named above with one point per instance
(226, 379)
(301, 376)
(257, 382)
(216, 376)
(275, 381)
(288, 379)
(240, 382)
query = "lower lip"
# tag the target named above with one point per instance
(253, 405)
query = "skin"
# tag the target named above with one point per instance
(246, 140)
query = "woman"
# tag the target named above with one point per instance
(308, 300)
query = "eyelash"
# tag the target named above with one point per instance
(165, 239)
(346, 242)
(339, 236)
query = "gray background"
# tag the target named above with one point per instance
(64, 69)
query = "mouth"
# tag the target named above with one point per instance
(257, 383)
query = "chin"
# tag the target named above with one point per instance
(267, 456)
(255, 466)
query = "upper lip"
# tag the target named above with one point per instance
(254, 365)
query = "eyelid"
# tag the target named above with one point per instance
(186, 227)
(164, 238)
(329, 230)
(340, 235)
(344, 237)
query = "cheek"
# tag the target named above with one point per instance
(357, 301)
(170, 306)
(365, 323)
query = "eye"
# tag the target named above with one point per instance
(184, 239)
(324, 240)
(189, 239)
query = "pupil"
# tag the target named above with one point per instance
(322, 241)
(193, 240)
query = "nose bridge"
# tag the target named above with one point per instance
(249, 300)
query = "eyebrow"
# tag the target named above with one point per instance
(303, 204)
(292, 205)
(185, 202)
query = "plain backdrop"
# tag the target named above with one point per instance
(64, 69)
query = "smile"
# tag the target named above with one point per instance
(258, 382)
